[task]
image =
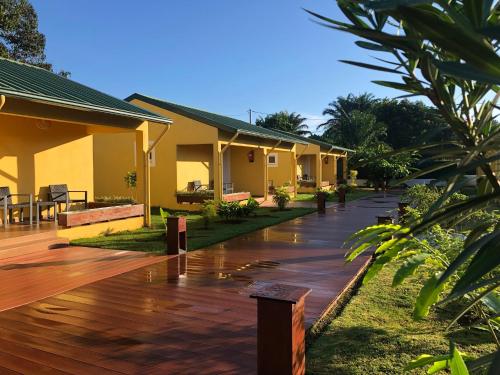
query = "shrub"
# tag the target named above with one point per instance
(208, 211)
(229, 210)
(250, 207)
(164, 214)
(115, 199)
(281, 197)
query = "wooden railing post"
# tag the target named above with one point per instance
(280, 329)
(176, 234)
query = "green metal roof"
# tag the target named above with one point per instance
(221, 122)
(25, 81)
(324, 145)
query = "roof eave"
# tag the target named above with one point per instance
(64, 103)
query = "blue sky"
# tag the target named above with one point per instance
(222, 55)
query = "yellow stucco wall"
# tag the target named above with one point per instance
(328, 165)
(248, 176)
(194, 162)
(114, 156)
(99, 229)
(164, 170)
(34, 154)
(282, 173)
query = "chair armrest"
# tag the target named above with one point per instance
(77, 191)
(20, 195)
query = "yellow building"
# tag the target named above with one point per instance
(320, 165)
(47, 125)
(204, 154)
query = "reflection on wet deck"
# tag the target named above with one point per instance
(190, 314)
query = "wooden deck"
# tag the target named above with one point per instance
(189, 314)
(35, 264)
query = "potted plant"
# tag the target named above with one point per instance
(281, 197)
(341, 191)
(321, 196)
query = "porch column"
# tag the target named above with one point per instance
(319, 175)
(335, 177)
(266, 174)
(217, 160)
(142, 171)
(344, 168)
(293, 171)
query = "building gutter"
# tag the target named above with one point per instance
(147, 181)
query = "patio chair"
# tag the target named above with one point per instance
(61, 194)
(197, 186)
(228, 188)
(8, 206)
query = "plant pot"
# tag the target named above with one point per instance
(341, 193)
(402, 209)
(381, 220)
(321, 203)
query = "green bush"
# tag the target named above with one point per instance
(281, 197)
(229, 210)
(250, 207)
(115, 200)
(208, 211)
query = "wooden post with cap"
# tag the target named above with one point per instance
(280, 329)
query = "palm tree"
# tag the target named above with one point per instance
(340, 109)
(284, 121)
(352, 123)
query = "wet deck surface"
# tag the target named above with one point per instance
(191, 314)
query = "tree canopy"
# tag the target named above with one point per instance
(289, 122)
(356, 120)
(20, 38)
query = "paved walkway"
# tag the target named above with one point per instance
(190, 314)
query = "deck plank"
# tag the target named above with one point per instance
(155, 320)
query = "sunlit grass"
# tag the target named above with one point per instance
(153, 239)
(375, 333)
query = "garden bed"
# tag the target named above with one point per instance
(153, 239)
(98, 215)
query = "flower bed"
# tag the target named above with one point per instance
(97, 215)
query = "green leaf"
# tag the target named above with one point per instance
(379, 5)
(372, 46)
(467, 71)
(454, 38)
(495, 364)
(457, 364)
(486, 260)
(408, 268)
(467, 252)
(427, 296)
(396, 85)
(370, 66)
(425, 360)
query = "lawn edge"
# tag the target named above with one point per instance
(338, 304)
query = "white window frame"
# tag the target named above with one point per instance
(275, 164)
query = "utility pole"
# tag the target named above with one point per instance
(250, 116)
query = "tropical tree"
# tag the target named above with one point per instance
(379, 165)
(355, 129)
(446, 51)
(20, 38)
(284, 121)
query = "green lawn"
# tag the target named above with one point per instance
(153, 240)
(351, 196)
(375, 333)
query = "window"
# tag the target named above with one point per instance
(272, 160)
